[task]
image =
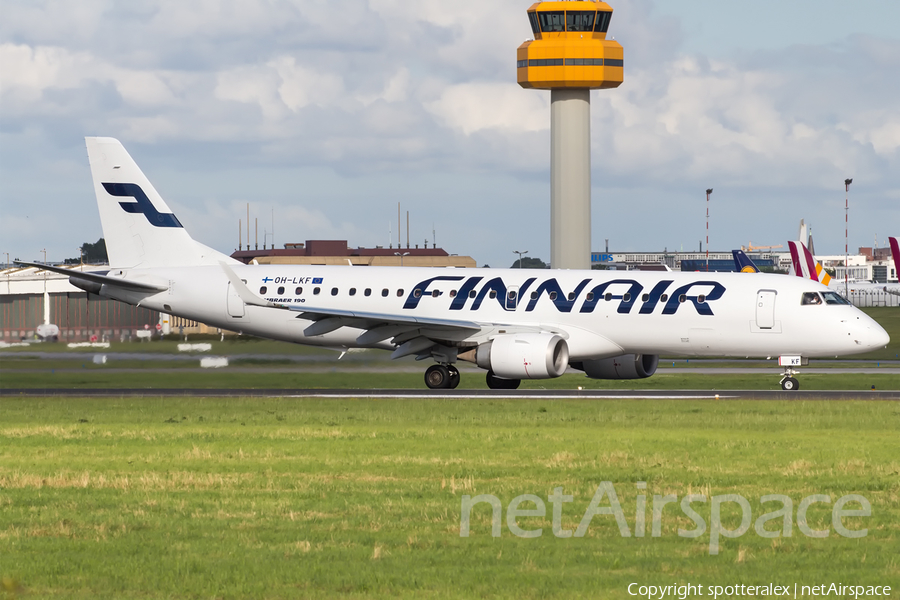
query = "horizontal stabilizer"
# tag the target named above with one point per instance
(100, 279)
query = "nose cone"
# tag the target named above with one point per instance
(870, 334)
(879, 337)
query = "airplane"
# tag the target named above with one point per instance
(895, 253)
(805, 265)
(742, 262)
(513, 323)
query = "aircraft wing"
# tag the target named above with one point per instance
(411, 334)
(99, 278)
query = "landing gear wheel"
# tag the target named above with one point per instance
(789, 384)
(498, 383)
(454, 377)
(437, 377)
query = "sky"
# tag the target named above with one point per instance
(323, 116)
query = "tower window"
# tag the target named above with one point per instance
(580, 20)
(552, 21)
(602, 22)
(532, 18)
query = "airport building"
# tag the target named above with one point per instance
(337, 252)
(30, 297)
(720, 262)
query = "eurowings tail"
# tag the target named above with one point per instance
(139, 228)
(895, 252)
(804, 265)
(742, 262)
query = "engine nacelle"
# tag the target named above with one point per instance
(627, 366)
(524, 356)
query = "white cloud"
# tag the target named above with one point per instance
(473, 107)
(396, 88)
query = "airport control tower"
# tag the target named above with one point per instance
(570, 56)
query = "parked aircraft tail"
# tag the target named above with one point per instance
(742, 262)
(895, 252)
(804, 265)
(139, 228)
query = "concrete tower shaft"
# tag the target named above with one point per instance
(570, 56)
(570, 178)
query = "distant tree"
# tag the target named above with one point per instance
(485, 266)
(530, 263)
(92, 253)
(767, 269)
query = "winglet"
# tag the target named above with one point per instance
(248, 297)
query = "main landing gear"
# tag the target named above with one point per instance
(442, 377)
(439, 377)
(498, 383)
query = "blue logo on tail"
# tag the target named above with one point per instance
(142, 204)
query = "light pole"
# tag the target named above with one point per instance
(708, 193)
(520, 253)
(401, 256)
(847, 183)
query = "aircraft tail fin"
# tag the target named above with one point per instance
(805, 264)
(742, 262)
(139, 228)
(895, 252)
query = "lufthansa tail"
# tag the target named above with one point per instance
(742, 262)
(139, 228)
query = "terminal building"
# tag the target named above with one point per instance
(720, 262)
(337, 252)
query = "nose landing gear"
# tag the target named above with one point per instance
(788, 382)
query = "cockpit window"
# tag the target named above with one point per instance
(834, 298)
(810, 298)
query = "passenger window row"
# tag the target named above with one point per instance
(511, 295)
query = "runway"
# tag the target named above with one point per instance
(458, 394)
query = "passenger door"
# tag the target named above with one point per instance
(765, 309)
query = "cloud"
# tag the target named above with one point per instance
(401, 100)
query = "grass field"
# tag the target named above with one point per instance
(275, 498)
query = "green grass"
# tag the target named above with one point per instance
(284, 498)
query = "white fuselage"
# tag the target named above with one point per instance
(599, 313)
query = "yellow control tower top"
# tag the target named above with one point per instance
(570, 49)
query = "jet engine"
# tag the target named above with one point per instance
(627, 366)
(524, 356)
